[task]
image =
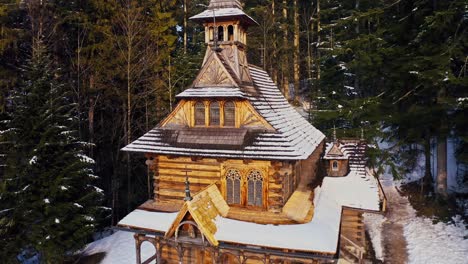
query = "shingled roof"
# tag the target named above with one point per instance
(223, 9)
(294, 137)
(283, 135)
(225, 4)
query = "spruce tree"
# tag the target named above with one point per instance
(49, 202)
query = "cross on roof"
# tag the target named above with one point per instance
(188, 197)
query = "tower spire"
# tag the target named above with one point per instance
(334, 134)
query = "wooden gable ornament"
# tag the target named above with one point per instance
(214, 73)
(335, 151)
(202, 211)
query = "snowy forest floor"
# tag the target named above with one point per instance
(401, 236)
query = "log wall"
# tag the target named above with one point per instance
(169, 177)
(309, 169)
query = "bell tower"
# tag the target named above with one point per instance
(226, 25)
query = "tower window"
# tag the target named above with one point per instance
(199, 114)
(229, 114)
(211, 33)
(220, 33)
(214, 114)
(230, 33)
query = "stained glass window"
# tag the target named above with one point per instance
(229, 114)
(214, 114)
(199, 114)
(233, 186)
(255, 188)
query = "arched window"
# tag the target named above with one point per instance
(229, 114)
(211, 33)
(233, 186)
(255, 188)
(335, 165)
(199, 114)
(230, 33)
(220, 33)
(214, 114)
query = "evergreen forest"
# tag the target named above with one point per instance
(81, 79)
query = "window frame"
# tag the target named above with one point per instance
(211, 108)
(208, 114)
(244, 188)
(233, 113)
(195, 113)
(255, 191)
(335, 168)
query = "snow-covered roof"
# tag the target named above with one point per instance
(294, 137)
(150, 220)
(356, 190)
(319, 235)
(220, 13)
(334, 151)
(212, 92)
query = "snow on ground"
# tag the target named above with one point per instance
(436, 243)
(374, 223)
(119, 248)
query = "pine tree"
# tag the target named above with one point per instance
(47, 189)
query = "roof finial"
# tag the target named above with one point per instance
(188, 197)
(334, 133)
(362, 134)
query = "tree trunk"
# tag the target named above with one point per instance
(427, 179)
(285, 68)
(356, 76)
(274, 68)
(317, 60)
(185, 27)
(296, 54)
(441, 180)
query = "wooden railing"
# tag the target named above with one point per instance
(351, 248)
(371, 172)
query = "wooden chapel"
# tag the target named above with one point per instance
(237, 171)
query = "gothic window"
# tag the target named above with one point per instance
(255, 188)
(335, 166)
(199, 114)
(214, 114)
(220, 33)
(233, 186)
(230, 33)
(229, 114)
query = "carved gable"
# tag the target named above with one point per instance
(214, 73)
(249, 118)
(180, 117)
